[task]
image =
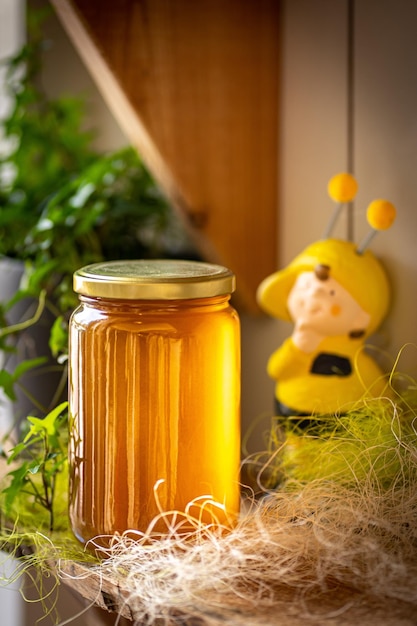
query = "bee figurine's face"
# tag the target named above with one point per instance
(320, 303)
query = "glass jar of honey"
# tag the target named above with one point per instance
(154, 396)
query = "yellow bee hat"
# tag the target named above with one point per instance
(361, 274)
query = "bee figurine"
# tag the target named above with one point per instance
(336, 294)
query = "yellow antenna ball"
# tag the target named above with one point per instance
(342, 187)
(381, 214)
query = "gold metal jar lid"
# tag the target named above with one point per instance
(160, 279)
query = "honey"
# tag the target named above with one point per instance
(154, 395)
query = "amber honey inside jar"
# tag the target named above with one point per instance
(154, 396)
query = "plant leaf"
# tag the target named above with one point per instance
(16, 451)
(58, 338)
(19, 479)
(7, 383)
(25, 366)
(46, 425)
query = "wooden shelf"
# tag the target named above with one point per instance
(194, 86)
(359, 608)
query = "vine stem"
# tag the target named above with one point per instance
(15, 328)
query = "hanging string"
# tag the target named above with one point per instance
(350, 105)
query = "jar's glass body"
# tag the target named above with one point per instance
(154, 399)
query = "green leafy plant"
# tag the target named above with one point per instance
(44, 138)
(111, 210)
(39, 461)
(63, 204)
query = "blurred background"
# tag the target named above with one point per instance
(329, 119)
